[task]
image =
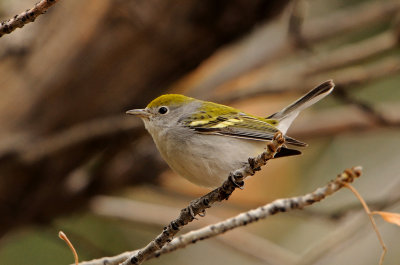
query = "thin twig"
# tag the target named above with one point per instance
(64, 237)
(371, 218)
(116, 260)
(280, 205)
(18, 21)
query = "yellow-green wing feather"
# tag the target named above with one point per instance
(218, 119)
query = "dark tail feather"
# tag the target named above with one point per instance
(305, 101)
(292, 141)
(287, 152)
(288, 114)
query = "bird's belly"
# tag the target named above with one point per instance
(208, 160)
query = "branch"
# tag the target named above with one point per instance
(116, 260)
(18, 21)
(365, 107)
(351, 53)
(79, 134)
(147, 213)
(229, 63)
(280, 205)
(344, 78)
(330, 122)
(339, 23)
(31, 151)
(296, 21)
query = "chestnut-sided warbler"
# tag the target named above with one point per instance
(204, 141)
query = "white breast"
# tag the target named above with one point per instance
(205, 160)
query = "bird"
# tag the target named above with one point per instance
(204, 141)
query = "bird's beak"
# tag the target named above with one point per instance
(142, 113)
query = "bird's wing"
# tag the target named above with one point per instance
(240, 125)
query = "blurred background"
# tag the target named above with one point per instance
(71, 160)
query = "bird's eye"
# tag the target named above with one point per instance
(163, 110)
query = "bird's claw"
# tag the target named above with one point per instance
(202, 213)
(237, 184)
(191, 212)
(193, 215)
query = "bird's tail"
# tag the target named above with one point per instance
(288, 114)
